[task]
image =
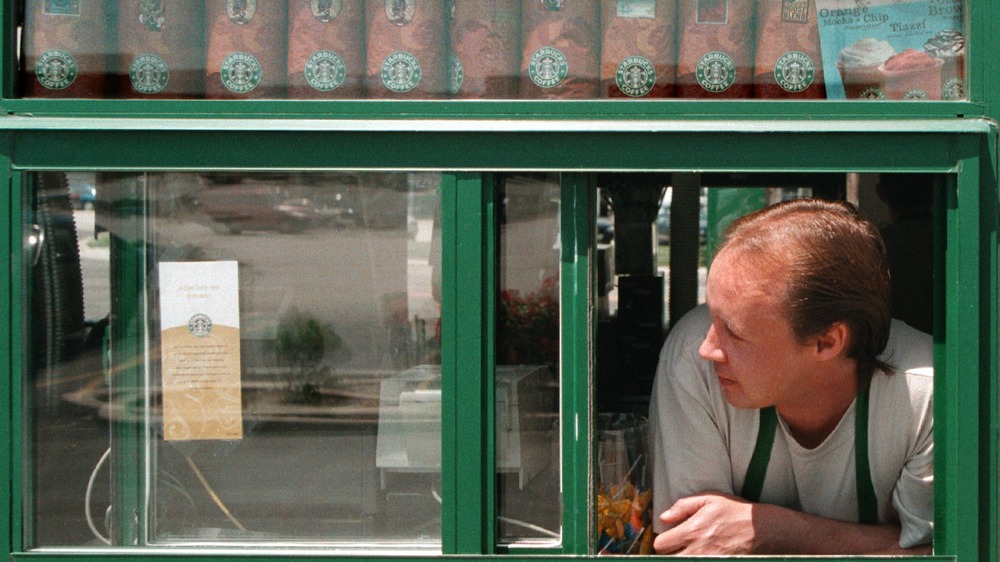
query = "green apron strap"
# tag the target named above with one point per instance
(753, 483)
(867, 502)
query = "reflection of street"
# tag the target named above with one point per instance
(306, 466)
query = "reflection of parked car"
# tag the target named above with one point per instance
(82, 195)
(663, 221)
(261, 207)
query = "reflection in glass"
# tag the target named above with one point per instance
(527, 397)
(507, 49)
(336, 280)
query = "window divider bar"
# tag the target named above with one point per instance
(577, 334)
(467, 479)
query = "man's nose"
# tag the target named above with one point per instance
(710, 349)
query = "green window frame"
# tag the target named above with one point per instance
(468, 152)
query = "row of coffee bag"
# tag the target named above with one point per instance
(421, 49)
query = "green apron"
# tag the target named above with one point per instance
(754, 481)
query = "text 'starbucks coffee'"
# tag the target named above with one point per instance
(560, 53)
(407, 55)
(638, 53)
(161, 48)
(715, 53)
(65, 49)
(788, 62)
(246, 49)
(326, 53)
(485, 48)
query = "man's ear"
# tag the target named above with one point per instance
(833, 341)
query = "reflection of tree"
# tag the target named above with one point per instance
(303, 344)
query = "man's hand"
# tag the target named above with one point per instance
(720, 524)
(709, 523)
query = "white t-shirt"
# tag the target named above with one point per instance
(701, 443)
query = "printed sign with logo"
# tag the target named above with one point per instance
(200, 350)
(896, 49)
(645, 9)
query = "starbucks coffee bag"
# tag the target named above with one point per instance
(65, 50)
(407, 55)
(485, 48)
(246, 49)
(561, 52)
(789, 62)
(326, 49)
(638, 53)
(161, 49)
(715, 57)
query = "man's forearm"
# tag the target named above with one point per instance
(779, 530)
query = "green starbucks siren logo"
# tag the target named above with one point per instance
(872, 93)
(635, 76)
(548, 67)
(325, 71)
(715, 72)
(456, 74)
(241, 72)
(915, 94)
(401, 72)
(953, 89)
(149, 74)
(56, 69)
(794, 71)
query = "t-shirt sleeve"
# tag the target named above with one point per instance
(913, 496)
(689, 450)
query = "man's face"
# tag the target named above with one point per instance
(756, 356)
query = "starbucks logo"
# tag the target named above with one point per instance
(241, 72)
(56, 69)
(401, 72)
(241, 12)
(794, 71)
(200, 325)
(635, 76)
(325, 71)
(915, 94)
(872, 93)
(151, 15)
(400, 12)
(953, 89)
(715, 72)
(325, 10)
(149, 74)
(552, 5)
(456, 74)
(548, 67)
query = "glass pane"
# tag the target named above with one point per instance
(527, 358)
(656, 235)
(541, 49)
(288, 388)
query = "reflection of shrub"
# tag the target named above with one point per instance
(303, 344)
(528, 326)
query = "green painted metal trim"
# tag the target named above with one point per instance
(525, 110)
(468, 467)
(990, 205)
(10, 350)
(154, 150)
(956, 401)
(576, 361)
(398, 124)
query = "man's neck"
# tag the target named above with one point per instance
(813, 418)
